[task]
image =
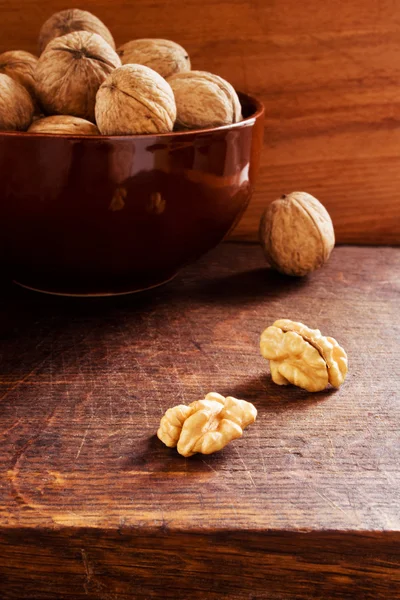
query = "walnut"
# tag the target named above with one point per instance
(135, 99)
(296, 233)
(163, 56)
(204, 100)
(70, 20)
(207, 425)
(16, 105)
(63, 124)
(20, 65)
(303, 356)
(70, 71)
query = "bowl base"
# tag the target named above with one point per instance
(97, 294)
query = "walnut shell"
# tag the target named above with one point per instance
(16, 105)
(20, 65)
(296, 233)
(72, 19)
(204, 100)
(164, 56)
(134, 99)
(71, 70)
(64, 124)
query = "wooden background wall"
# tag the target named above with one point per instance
(328, 73)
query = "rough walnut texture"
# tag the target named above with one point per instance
(293, 360)
(204, 100)
(135, 99)
(296, 233)
(303, 356)
(70, 71)
(64, 124)
(332, 353)
(70, 20)
(164, 56)
(205, 426)
(20, 65)
(16, 105)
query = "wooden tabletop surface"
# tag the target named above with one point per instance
(305, 505)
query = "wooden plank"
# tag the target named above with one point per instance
(94, 503)
(328, 79)
(128, 563)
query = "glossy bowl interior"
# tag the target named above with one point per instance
(96, 215)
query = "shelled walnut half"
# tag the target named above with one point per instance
(205, 426)
(303, 356)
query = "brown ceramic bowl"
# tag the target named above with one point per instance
(96, 215)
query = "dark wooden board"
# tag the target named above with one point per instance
(328, 76)
(305, 505)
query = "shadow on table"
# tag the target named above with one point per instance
(270, 397)
(166, 463)
(243, 288)
(21, 309)
(235, 288)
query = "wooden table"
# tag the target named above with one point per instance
(305, 505)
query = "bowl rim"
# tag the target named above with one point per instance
(259, 112)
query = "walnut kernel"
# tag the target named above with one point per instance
(205, 426)
(303, 356)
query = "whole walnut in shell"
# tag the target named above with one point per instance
(204, 100)
(20, 65)
(71, 70)
(16, 105)
(296, 233)
(72, 19)
(135, 99)
(64, 124)
(164, 56)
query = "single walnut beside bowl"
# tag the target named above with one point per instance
(71, 70)
(303, 356)
(16, 105)
(63, 124)
(204, 100)
(70, 20)
(205, 426)
(134, 99)
(296, 234)
(164, 56)
(20, 65)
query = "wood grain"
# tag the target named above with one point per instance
(329, 79)
(126, 565)
(305, 505)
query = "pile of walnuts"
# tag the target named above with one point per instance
(82, 84)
